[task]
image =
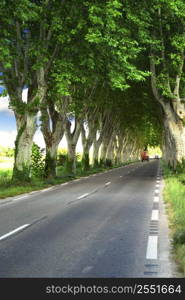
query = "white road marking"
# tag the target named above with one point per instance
(64, 183)
(157, 185)
(156, 199)
(107, 183)
(157, 181)
(46, 190)
(13, 231)
(151, 252)
(83, 196)
(34, 192)
(155, 215)
(20, 198)
(156, 191)
(120, 176)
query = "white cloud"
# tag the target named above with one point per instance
(4, 102)
(7, 138)
(38, 139)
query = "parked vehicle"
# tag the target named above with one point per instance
(144, 156)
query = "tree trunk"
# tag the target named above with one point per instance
(87, 143)
(53, 130)
(51, 160)
(71, 157)
(96, 147)
(104, 146)
(174, 141)
(118, 148)
(85, 158)
(174, 115)
(110, 152)
(26, 127)
(72, 139)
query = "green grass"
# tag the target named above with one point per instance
(9, 189)
(174, 196)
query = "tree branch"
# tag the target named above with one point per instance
(178, 78)
(154, 80)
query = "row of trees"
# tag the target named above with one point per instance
(91, 62)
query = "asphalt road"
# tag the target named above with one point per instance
(99, 226)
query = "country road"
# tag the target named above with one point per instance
(106, 225)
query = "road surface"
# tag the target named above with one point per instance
(106, 225)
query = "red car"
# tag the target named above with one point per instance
(144, 156)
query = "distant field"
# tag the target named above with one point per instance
(6, 163)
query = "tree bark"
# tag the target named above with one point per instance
(96, 148)
(72, 139)
(87, 143)
(173, 120)
(26, 127)
(53, 130)
(174, 139)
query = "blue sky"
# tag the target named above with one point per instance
(7, 121)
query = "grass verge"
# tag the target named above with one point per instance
(10, 189)
(174, 196)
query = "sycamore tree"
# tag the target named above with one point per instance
(161, 31)
(31, 35)
(168, 74)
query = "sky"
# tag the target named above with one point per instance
(8, 127)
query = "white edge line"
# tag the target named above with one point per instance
(45, 190)
(151, 252)
(13, 231)
(156, 199)
(108, 183)
(20, 198)
(155, 215)
(83, 196)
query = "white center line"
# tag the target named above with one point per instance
(107, 183)
(151, 252)
(83, 196)
(155, 215)
(13, 231)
